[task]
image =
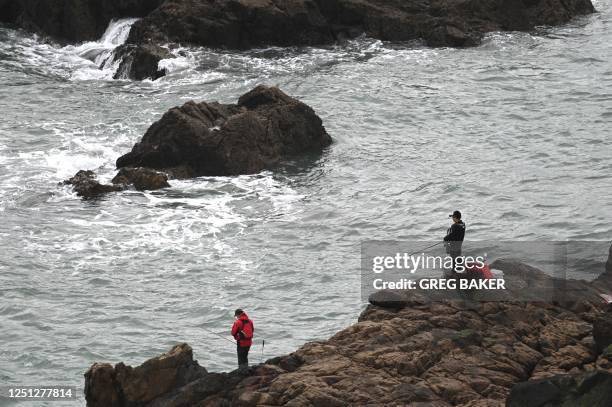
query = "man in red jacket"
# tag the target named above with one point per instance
(243, 330)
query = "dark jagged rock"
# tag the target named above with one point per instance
(124, 386)
(235, 24)
(71, 20)
(85, 185)
(245, 24)
(592, 389)
(388, 299)
(140, 61)
(214, 139)
(449, 23)
(142, 178)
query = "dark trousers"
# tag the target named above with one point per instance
(243, 356)
(454, 255)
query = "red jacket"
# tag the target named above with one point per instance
(245, 325)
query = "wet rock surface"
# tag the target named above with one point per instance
(246, 24)
(140, 62)
(235, 24)
(197, 139)
(434, 353)
(252, 23)
(85, 184)
(72, 20)
(141, 178)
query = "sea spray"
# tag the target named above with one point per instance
(101, 52)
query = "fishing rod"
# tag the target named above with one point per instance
(219, 335)
(263, 342)
(425, 248)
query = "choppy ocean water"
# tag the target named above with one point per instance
(513, 132)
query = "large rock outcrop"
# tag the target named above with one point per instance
(250, 23)
(215, 139)
(245, 24)
(72, 20)
(430, 353)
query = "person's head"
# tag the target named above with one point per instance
(456, 216)
(238, 313)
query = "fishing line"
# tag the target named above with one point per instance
(219, 335)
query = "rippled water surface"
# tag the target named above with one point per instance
(514, 132)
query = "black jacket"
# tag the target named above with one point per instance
(455, 233)
(454, 237)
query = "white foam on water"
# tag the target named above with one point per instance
(91, 60)
(101, 53)
(182, 60)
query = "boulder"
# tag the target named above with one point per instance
(72, 20)
(213, 139)
(142, 178)
(85, 185)
(140, 61)
(107, 386)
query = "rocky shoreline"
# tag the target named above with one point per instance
(408, 352)
(242, 24)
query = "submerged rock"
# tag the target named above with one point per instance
(140, 61)
(215, 139)
(85, 185)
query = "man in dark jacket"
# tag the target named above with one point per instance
(243, 330)
(454, 237)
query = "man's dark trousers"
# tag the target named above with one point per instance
(243, 356)
(454, 255)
